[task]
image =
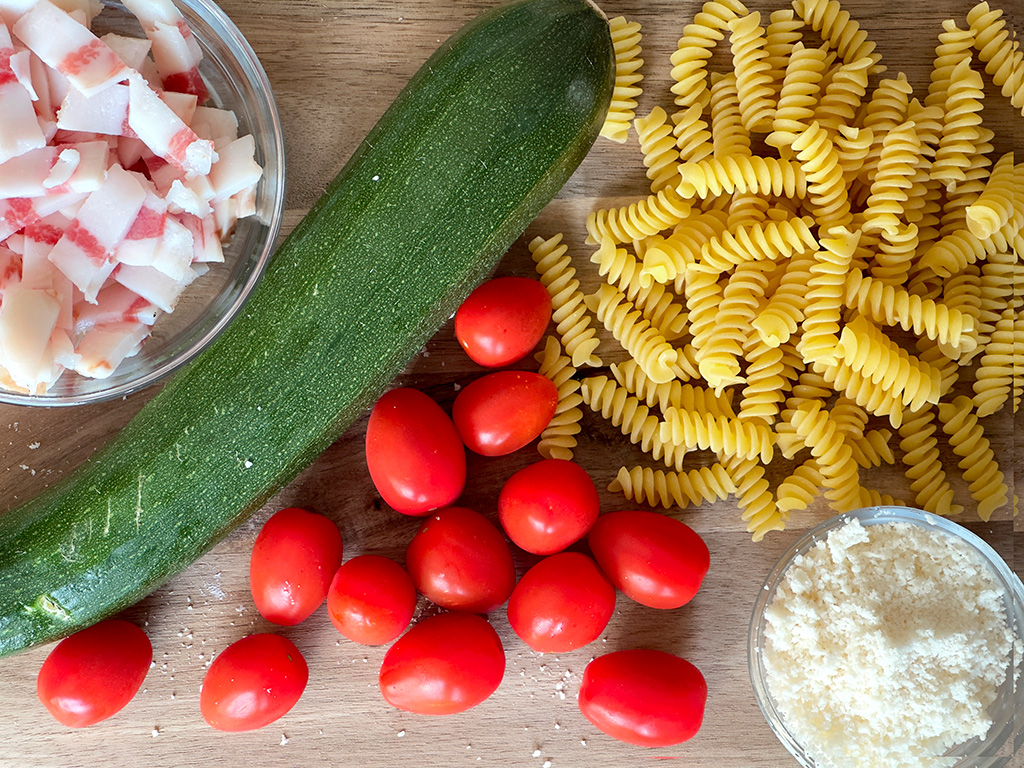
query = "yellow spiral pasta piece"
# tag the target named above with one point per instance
(954, 46)
(764, 175)
(840, 473)
(638, 220)
(954, 252)
(1000, 51)
(895, 254)
(843, 95)
(558, 439)
(568, 310)
(923, 465)
(863, 391)
(654, 354)
(667, 259)
(963, 292)
(826, 188)
(887, 108)
(825, 296)
(994, 208)
(850, 418)
(719, 353)
(692, 136)
(754, 82)
(725, 436)
(689, 61)
(621, 269)
(900, 156)
(729, 136)
(1018, 362)
(980, 470)
(784, 312)
(872, 449)
(1001, 279)
(658, 146)
(672, 394)
(994, 378)
(673, 489)
(703, 295)
(871, 353)
(626, 43)
(955, 202)
(959, 139)
(798, 490)
(754, 496)
(893, 306)
(852, 147)
(766, 387)
(632, 417)
(747, 211)
(800, 93)
(782, 35)
(769, 241)
(838, 29)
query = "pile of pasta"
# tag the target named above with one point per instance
(823, 269)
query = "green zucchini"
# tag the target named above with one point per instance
(482, 137)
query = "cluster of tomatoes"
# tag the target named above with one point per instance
(458, 559)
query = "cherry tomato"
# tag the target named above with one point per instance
(94, 673)
(657, 560)
(503, 320)
(648, 698)
(371, 600)
(501, 412)
(252, 683)
(460, 561)
(416, 460)
(548, 505)
(444, 664)
(293, 561)
(562, 603)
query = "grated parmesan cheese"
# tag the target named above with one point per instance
(885, 645)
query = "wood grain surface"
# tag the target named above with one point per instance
(335, 66)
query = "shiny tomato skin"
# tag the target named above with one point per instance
(502, 411)
(371, 600)
(644, 697)
(295, 556)
(94, 673)
(416, 459)
(654, 559)
(548, 505)
(562, 603)
(443, 665)
(459, 560)
(252, 683)
(503, 320)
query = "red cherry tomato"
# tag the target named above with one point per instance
(503, 320)
(501, 412)
(648, 698)
(562, 603)
(252, 683)
(444, 664)
(460, 561)
(94, 673)
(548, 505)
(415, 457)
(371, 600)
(295, 556)
(654, 559)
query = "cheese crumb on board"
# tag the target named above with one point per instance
(885, 646)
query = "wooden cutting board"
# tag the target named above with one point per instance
(335, 67)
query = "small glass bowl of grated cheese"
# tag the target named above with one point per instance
(891, 638)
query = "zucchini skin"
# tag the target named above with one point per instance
(482, 137)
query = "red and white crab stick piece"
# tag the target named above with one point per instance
(70, 48)
(164, 133)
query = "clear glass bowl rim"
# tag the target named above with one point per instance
(999, 734)
(271, 188)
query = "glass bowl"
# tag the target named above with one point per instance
(1005, 711)
(236, 81)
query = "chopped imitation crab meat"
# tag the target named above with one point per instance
(70, 48)
(118, 185)
(19, 130)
